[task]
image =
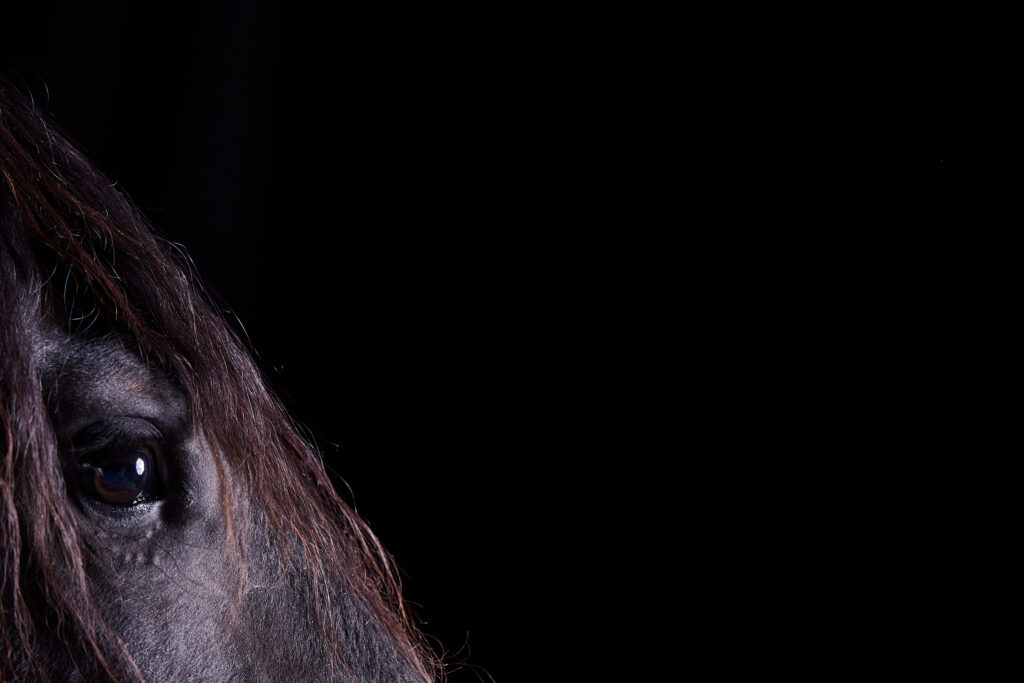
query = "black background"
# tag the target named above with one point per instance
(421, 218)
(873, 166)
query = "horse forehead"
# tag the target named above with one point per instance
(88, 376)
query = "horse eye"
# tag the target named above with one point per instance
(119, 476)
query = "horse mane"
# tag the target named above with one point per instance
(75, 250)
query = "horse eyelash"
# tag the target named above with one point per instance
(108, 433)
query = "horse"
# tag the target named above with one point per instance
(162, 517)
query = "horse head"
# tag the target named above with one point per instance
(161, 516)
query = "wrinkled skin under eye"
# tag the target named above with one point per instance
(119, 475)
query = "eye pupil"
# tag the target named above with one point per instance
(121, 477)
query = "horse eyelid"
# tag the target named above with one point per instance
(107, 434)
